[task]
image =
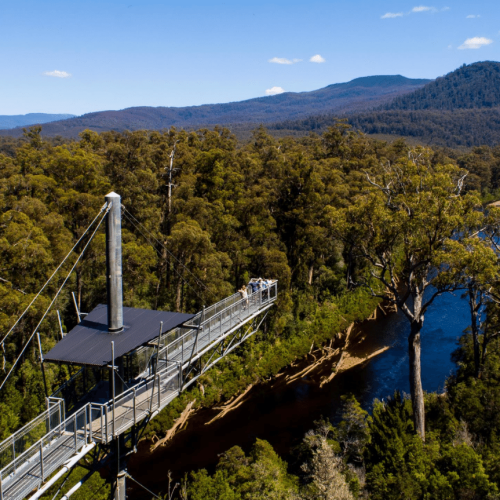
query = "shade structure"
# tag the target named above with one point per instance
(89, 342)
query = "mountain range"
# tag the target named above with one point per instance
(357, 95)
(460, 109)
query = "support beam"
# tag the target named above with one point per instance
(70, 464)
(121, 486)
(77, 486)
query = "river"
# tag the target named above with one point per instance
(282, 415)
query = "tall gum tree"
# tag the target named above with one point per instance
(398, 228)
(472, 264)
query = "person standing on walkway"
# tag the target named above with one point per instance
(254, 286)
(244, 296)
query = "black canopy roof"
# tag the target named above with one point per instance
(89, 343)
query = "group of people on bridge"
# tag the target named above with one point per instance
(255, 285)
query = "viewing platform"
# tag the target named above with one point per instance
(167, 364)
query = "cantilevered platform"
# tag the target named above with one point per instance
(89, 342)
(27, 461)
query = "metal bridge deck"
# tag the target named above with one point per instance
(30, 476)
(95, 422)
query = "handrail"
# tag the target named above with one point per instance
(12, 442)
(47, 438)
(273, 286)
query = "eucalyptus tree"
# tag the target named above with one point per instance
(473, 265)
(399, 228)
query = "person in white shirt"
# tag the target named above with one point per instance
(244, 296)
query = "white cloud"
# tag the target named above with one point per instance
(423, 8)
(450, 46)
(415, 10)
(391, 15)
(472, 16)
(274, 91)
(317, 59)
(57, 74)
(283, 60)
(475, 43)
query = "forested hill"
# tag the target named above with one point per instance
(360, 94)
(469, 87)
(11, 121)
(459, 109)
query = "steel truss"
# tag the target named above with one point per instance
(196, 368)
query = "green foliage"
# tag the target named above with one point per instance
(94, 487)
(258, 476)
(260, 210)
(399, 464)
(353, 432)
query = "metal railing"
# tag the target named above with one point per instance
(32, 454)
(41, 459)
(16, 444)
(215, 323)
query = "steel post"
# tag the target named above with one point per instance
(102, 427)
(90, 423)
(74, 429)
(106, 422)
(114, 263)
(159, 391)
(60, 325)
(113, 381)
(41, 461)
(78, 318)
(121, 486)
(135, 409)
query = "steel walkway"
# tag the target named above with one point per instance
(31, 455)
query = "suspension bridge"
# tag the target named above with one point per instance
(134, 363)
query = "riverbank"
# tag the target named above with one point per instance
(284, 403)
(320, 365)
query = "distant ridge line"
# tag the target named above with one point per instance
(11, 121)
(361, 94)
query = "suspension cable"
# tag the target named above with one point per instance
(53, 274)
(159, 254)
(57, 295)
(170, 253)
(141, 485)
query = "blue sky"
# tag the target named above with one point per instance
(82, 56)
